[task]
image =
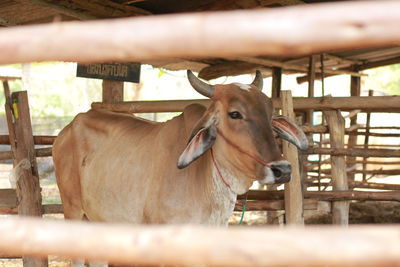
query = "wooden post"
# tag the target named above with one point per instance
(113, 91)
(366, 138)
(340, 209)
(276, 82)
(273, 216)
(311, 79)
(293, 190)
(355, 90)
(28, 188)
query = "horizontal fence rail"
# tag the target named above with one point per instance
(189, 245)
(277, 32)
(376, 103)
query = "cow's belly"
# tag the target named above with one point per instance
(113, 191)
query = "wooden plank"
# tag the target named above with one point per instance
(373, 104)
(205, 34)
(340, 209)
(197, 245)
(293, 191)
(28, 188)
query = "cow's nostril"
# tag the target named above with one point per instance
(277, 172)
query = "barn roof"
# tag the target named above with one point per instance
(22, 12)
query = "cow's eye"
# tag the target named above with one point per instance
(235, 115)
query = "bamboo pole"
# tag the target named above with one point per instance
(276, 32)
(197, 245)
(376, 103)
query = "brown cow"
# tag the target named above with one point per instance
(119, 168)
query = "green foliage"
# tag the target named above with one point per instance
(55, 91)
(385, 78)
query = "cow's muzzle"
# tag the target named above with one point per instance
(278, 173)
(282, 171)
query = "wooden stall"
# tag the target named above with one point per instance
(353, 43)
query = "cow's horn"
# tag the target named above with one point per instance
(200, 86)
(258, 80)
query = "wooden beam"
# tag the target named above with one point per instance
(9, 78)
(274, 205)
(7, 23)
(380, 63)
(39, 152)
(293, 190)
(355, 152)
(197, 245)
(378, 27)
(342, 59)
(69, 11)
(38, 140)
(281, 2)
(376, 104)
(369, 185)
(128, 2)
(92, 9)
(311, 78)
(274, 63)
(230, 68)
(371, 172)
(326, 195)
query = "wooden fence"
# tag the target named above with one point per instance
(190, 245)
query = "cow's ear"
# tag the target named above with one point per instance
(201, 141)
(290, 132)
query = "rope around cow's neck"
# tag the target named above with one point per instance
(244, 204)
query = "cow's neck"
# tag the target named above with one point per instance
(223, 199)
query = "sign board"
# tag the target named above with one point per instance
(124, 72)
